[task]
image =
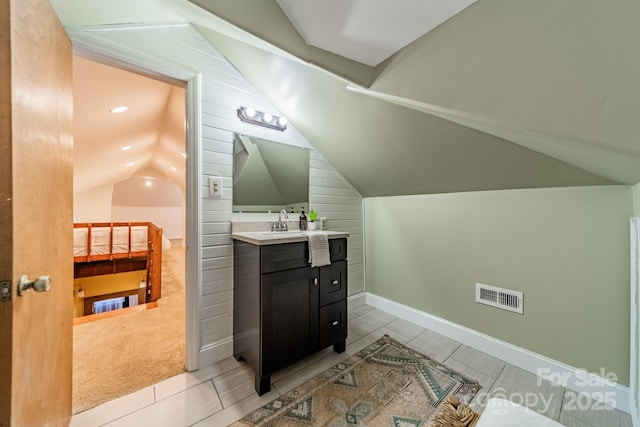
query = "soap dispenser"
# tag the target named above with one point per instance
(303, 220)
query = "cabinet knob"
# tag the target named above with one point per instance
(335, 282)
(335, 323)
(315, 281)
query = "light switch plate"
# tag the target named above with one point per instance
(215, 186)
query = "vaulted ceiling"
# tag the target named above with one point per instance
(497, 94)
(147, 140)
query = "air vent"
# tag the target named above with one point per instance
(505, 299)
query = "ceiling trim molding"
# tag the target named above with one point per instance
(87, 43)
(618, 167)
(118, 27)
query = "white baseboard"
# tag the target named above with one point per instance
(578, 380)
(357, 300)
(213, 353)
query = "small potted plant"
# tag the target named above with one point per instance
(313, 215)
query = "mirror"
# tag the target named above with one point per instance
(269, 176)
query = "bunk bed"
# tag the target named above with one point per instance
(118, 247)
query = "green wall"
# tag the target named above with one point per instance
(636, 200)
(567, 249)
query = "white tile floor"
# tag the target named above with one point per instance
(220, 394)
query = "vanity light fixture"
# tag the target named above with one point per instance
(250, 115)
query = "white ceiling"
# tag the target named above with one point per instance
(367, 31)
(147, 140)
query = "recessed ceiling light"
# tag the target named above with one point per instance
(173, 169)
(148, 183)
(126, 147)
(130, 164)
(120, 109)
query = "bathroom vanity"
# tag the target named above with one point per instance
(284, 310)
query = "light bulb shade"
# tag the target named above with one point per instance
(250, 115)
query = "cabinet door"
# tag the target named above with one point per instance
(289, 317)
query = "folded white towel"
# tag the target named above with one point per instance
(319, 249)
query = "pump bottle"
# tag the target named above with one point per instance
(303, 220)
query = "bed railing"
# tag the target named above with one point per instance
(120, 241)
(113, 240)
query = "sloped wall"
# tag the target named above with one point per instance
(223, 91)
(160, 202)
(93, 205)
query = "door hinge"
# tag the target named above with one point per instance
(5, 290)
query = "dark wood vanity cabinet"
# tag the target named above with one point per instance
(284, 310)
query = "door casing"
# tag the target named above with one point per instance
(115, 56)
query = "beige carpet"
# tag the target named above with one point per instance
(384, 385)
(119, 355)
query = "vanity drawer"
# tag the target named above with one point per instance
(285, 256)
(333, 282)
(333, 323)
(337, 249)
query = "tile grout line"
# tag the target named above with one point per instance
(564, 392)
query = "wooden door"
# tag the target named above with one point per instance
(36, 220)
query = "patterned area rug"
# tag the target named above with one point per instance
(386, 384)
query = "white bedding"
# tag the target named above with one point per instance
(100, 240)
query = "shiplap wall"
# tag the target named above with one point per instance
(223, 90)
(335, 199)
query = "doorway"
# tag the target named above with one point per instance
(130, 167)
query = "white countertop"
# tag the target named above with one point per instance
(276, 237)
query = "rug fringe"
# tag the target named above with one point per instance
(454, 414)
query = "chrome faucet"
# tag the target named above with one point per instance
(280, 224)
